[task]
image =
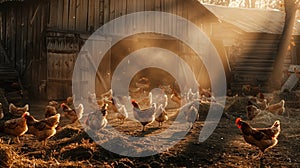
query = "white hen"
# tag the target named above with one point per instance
(191, 96)
(146, 116)
(159, 97)
(97, 120)
(161, 115)
(191, 115)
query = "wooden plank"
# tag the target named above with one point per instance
(8, 29)
(37, 48)
(101, 14)
(97, 13)
(58, 63)
(80, 15)
(64, 66)
(18, 47)
(91, 15)
(140, 7)
(13, 35)
(112, 10)
(179, 31)
(185, 15)
(122, 11)
(148, 7)
(131, 7)
(3, 53)
(124, 7)
(43, 17)
(72, 59)
(29, 46)
(157, 5)
(112, 14)
(2, 34)
(164, 9)
(49, 65)
(65, 14)
(53, 15)
(106, 11)
(118, 8)
(1, 26)
(59, 12)
(118, 11)
(174, 21)
(72, 14)
(36, 10)
(68, 66)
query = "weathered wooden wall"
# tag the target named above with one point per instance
(88, 15)
(82, 17)
(43, 38)
(22, 30)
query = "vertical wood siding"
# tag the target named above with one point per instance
(22, 27)
(88, 15)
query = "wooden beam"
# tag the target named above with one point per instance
(99, 76)
(3, 52)
(34, 15)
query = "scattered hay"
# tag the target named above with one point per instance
(204, 108)
(66, 132)
(236, 104)
(78, 152)
(7, 155)
(10, 158)
(124, 163)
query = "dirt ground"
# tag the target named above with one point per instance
(72, 147)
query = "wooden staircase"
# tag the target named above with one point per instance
(9, 76)
(255, 64)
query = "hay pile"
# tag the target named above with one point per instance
(7, 155)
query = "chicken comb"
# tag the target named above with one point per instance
(63, 104)
(238, 120)
(25, 114)
(134, 103)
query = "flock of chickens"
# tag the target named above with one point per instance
(146, 108)
(263, 138)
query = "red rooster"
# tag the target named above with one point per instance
(263, 138)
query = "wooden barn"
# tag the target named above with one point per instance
(251, 38)
(40, 40)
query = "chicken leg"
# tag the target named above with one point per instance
(260, 154)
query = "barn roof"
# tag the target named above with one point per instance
(250, 19)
